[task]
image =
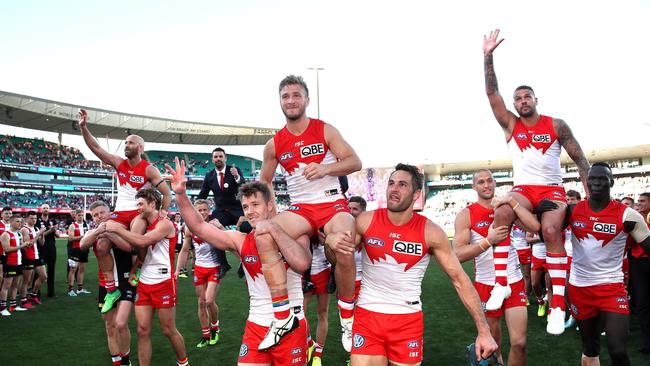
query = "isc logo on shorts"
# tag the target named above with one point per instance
(601, 227)
(406, 247)
(542, 138)
(313, 149)
(136, 179)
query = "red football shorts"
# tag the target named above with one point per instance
(396, 336)
(203, 275)
(538, 264)
(535, 194)
(587, 302)
(319, 214)
(525, 256)
(320, 281)
(292, 349)
(517, 297)
(158, 296)
(124, 217)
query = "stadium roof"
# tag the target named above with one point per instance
(47, 115)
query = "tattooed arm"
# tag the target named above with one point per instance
(572, 147)
(505, 118)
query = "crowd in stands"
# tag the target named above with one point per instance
(39, 152)
(34, 199)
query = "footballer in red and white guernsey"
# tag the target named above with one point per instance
(115, 320)
(157, 284)
(77, 258)
(473, 239)
(258, 206)
(397, 246)
(12, 243)
(205, 278)
(601, 226)
(313, 155)
(32, 261)
(133, 174)
(535, 143)
(4, 226)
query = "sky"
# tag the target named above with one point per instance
(402, 81)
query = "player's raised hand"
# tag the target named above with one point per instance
(177, 176)
(83, 118)
(491, 42)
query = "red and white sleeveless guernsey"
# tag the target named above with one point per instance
(78, 231)
(14, 258)
(131, 180)
(158, 266)
(3, 227)
(480, 220)
(204, 256)
(395, 259)
(261, 306)
(31, 252)
(535, 153)
(294, 153)
(599, 243)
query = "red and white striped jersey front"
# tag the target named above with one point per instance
(535, 153)
(14, 258)
(31, 252)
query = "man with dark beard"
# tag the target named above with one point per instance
(535, 143)
(397, 246)
(601, 226)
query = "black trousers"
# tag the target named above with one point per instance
(640, 283)
(49, 256)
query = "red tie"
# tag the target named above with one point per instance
(221, 178)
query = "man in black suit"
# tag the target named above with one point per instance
(224, 183)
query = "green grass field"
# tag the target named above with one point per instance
(69, 331)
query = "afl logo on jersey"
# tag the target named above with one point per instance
(521, 136)
(250, 259)
(405, 247)
(310, 150)
(286, 156)
(482, 224)
(137, 179)
(579, 225)
(375, 242)
(122, 175)
(546, 138)
(601, 227)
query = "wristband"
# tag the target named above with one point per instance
(517, 205)
(480, 244)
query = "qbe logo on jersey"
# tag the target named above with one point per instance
(601, 227)
(314, 149)
(542, 138)
(136, 179)
(405, 247)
